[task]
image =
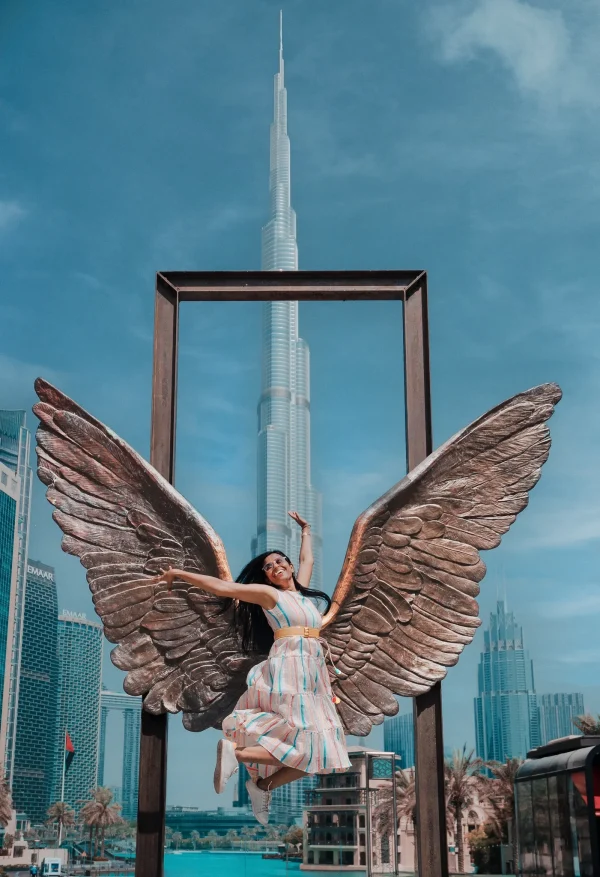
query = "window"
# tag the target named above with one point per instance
(542, 831)
(525, 827)
(562, 839)
(579, 813)
(385, 850)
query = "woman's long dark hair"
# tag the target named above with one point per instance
(248, 619)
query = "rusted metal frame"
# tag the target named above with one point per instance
(289, 285)
(174, 287)
(432, 848)
(153, 740)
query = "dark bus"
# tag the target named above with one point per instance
(557, 801)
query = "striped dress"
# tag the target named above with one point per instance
(288, 707)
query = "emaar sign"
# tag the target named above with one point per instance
(40, 573)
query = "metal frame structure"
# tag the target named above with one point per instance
(369, 758)
(410, 287)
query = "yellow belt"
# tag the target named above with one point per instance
(298, 631)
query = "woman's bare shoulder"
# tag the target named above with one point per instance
(264, 595)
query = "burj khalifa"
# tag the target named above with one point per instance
(284, 476)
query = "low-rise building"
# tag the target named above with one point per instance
(340, 809)
(20, 855)
(350, 817)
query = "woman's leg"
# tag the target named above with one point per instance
(280, 778)
(259, 755)
(256, 754)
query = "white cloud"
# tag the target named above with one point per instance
(583, 656)
(564, 523)
(580, 606)
(11, 212)
(18, 378)
(550, 57)
(181, 238)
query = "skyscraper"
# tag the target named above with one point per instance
(289, 801)
(506, 711)
(399, 737)
(10, 487)
(241, 798)
(557, 712)
(79, 681)
(131, 709)
(35, 748)
(14, 453)
(284, 478)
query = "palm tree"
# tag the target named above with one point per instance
(383, 810)
(6, 805)
(194, 837)
(32, 835)
(463, 780)
(212, 837)
(406, 806)
(294, 836)
(501, 796)
(61, 815)
(587, 724)
(232, 836)
(248, 834)
(98, 814)
(177, 837)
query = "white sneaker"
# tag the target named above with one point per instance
(227, 764)
(260, 802)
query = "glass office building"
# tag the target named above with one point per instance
(79, 686)
(35, 749)
(9, 550)
(131, 710)
(14, 454)
(506, 710)
(399, 737)
(557, 712)
(288, 802)
(284, 476)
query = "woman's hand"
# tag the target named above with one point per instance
(167, 576)
(300, 521)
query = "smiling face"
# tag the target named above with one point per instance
(279, 571)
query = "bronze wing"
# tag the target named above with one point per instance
(404, 606)
(126, 523)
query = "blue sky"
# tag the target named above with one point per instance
(457, 137)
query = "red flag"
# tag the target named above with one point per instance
(69, 751)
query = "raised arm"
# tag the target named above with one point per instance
(263, 595)
(307, 562)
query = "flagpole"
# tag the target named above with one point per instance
(62, 785)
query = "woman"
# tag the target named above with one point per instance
(285, 725)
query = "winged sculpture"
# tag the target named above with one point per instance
(404, 606)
